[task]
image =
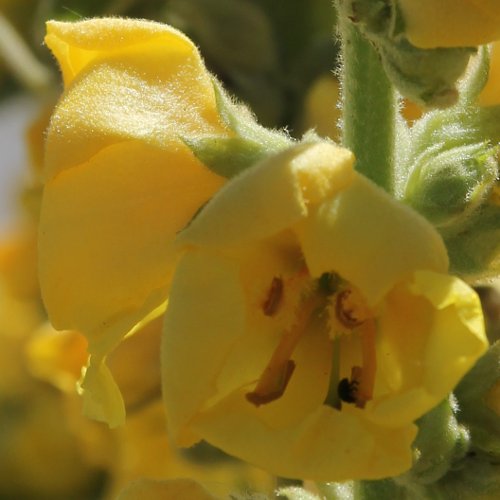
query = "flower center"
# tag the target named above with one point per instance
(348, 314)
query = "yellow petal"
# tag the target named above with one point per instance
(77, 45)
(451, 23)
(135, 365)
(370, 239)
(272, 196)
(133, 80)
(120, 183)
(144, 451)
(198, 339)
(106, 232)
(102, 399)
(432, 333)
(327, 445)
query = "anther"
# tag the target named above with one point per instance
(274, 296)
(348, 311)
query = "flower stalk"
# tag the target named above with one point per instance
(368, 103)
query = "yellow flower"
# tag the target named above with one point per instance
(450, 23)
(119, 181)
(311, 322)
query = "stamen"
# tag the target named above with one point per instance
(260, 397)
(369, 355)
(274, 296)
(275, 377)
(349, 309)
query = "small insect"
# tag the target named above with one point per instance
(274, 295)
(347, 390)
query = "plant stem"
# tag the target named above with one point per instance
(369, 105)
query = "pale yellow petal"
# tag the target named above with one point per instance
(135, 365)
(79, 44)
(370, 239)
(272, 195)
(102, 399)
(106, 233)
(139, 80)
(327, 445)
(451, 23)
(197, 340)
(120, 181)
(432, 333)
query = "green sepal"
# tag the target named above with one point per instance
(483, 422)
(226, 156)
(451, 184)
(376, 490)
(474, 250)
(476, 77)
(362, 490)
(441, 442)
(248, 144)
(426, 76)
(338, 491)
(473, 479)
(243, 123)
(474, 471)
(451, 169)
(296, 493)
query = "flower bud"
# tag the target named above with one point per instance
(476, 397)
(426, 76)
(451, 171)
(446, 187)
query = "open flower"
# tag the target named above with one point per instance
(450, 23)
(311, 322)
(119, 180)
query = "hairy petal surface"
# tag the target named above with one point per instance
(119, 180)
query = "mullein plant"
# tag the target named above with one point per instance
(318, 315)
